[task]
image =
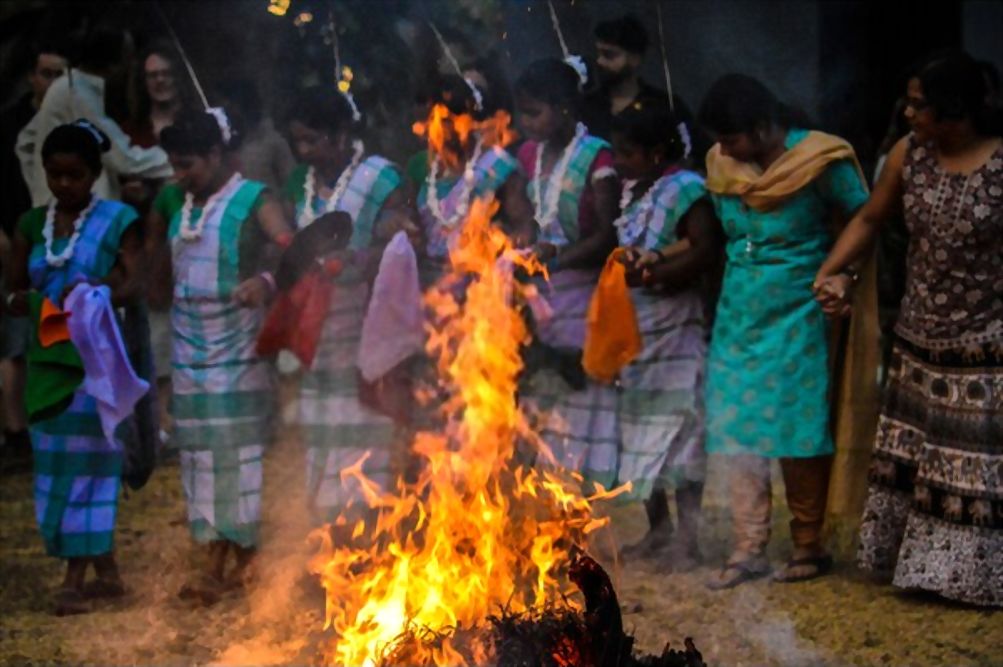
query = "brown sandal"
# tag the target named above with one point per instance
(744, 571)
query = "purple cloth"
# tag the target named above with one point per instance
(393, 328)
(567, 294)
(109, 377)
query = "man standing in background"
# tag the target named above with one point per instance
(47, 66)
(620, 47)
(80, 94)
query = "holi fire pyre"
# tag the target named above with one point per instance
(476, 559)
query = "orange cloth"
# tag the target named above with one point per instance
(52, 327)
(612, 338)
(792, 171)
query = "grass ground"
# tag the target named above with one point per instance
(837, 620)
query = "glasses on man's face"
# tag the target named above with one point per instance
(49, 73)
(154, 74)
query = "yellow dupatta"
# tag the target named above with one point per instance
(854, 355)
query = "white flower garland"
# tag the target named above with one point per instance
(644, 209)
(626, 195)
(463, 198)
(192, 233)
(310, 186)
(546, 213)
(49, 230)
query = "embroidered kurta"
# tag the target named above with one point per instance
(767, 375)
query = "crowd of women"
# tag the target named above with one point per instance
(747, 376)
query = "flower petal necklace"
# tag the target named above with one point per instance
(192, 233)
(462, 197)
(49, 232)
(310, 187)
(546, 211)
(635, 219)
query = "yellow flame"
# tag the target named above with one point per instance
(447, 132)
(474, 532)
(278, 7)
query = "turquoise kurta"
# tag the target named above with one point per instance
(767, 376)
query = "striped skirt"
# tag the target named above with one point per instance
(222, 404)
(338, 429)
(77, 479)
(579, 427)
(660, 405)
(934, 512)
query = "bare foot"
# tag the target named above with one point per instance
(204, 589)
(69, 602)
(656, 540)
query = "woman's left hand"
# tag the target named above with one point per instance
(835, 294)
(251, 293)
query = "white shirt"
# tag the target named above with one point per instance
(81, 95)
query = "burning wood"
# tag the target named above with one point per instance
(551, 637)
(475, 557)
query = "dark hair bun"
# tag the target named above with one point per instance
(81, 138)
(192, 133)
(552, 82)
(322, 108)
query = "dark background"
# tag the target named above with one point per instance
(842, 62)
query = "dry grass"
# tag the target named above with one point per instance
(837, 620)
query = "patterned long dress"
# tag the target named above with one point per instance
(223, 393)
(580, 427)
(660, 402)
(934, 512)
(767, 369)
(77, 469)
(338, 429)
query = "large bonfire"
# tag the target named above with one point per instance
(473, 534)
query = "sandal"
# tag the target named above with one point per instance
(743, 571)
(204, 589)
(104, 588)
(69, 602)
(822, 565)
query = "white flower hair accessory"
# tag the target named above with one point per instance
(476, 92)
(578, 64)
(684, 134)
(85, 124)
(224, 123)
(356, 114)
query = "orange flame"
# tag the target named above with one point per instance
(474, 533)
(449, 133)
